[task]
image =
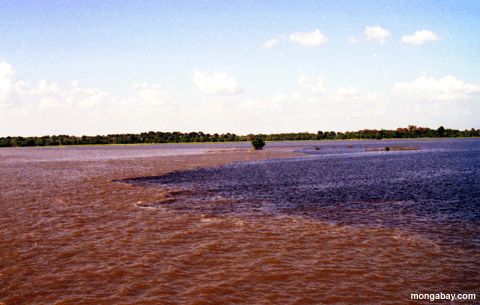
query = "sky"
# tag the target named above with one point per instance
(84, 67)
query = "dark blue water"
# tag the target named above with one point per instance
(433, 190)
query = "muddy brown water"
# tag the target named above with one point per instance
(70, 235)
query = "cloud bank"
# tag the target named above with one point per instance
(445, 89)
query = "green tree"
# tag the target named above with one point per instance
(440, 131)
(258, 143)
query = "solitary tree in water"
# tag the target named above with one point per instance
(258, 143)
(441, 131)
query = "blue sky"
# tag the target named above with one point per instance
(100, 67)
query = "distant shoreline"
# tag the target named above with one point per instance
(411, 132)
(230, 142)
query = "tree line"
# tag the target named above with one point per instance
(198, 137)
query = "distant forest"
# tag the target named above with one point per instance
(177, 137)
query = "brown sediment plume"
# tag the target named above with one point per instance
(155, 166)
(68, 214)
(67, 183)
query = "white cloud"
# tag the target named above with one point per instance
(319, 88)
(373, 96)
(314, 85)
(309, 39)
(313, 100)
(50, 95)
(153, 94)
(10, 84)
(344, 91)
(95, 99)
(78, 110)
(45, 88)
(297, 96)
(420, 37)
(301, 79)
(278, 98)
(353, 40)
(445, 89)
(377, 33)
(219, 83)
(269, 43)
(252, 104)
(86, 97)
(340, 104)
